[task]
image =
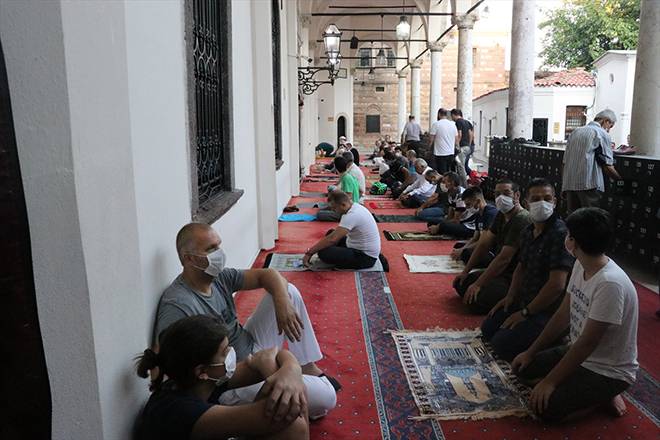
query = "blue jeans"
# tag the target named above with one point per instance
(432, 215)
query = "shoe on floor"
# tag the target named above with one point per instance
(292, 208)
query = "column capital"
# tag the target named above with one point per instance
(402, 73)
(436, 46)
(464, 21)
(305, 20)
(417, 64)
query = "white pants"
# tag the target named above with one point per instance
(262, 325)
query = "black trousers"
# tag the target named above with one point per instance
(583, 389)
(457, 230)
(346, 258)
(443, 164)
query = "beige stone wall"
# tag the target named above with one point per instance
(489, 74)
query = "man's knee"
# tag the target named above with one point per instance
(502, 342)
(294, 293)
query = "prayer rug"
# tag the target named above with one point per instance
(376, 197)
(321, 179)
(312, 194)
(433, 263)
(453, 375)
(385, 204)
(293, 263)
(297, 218)
(415, 236)
(387, 218)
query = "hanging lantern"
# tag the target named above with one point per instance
(332, 38)
(372, 74)
(403, 29)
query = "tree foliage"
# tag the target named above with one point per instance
(582, 30)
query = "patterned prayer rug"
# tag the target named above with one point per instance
(453, 375)
(415, 236)
(385, 204)
(293, 263)
(312, 205)
(312, 194)
(397, 219)
(433, 263)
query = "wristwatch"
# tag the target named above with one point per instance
(525, 312)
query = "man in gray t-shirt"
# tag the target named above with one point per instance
(206, 287)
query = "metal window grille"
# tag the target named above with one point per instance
(277, 79)
(391, 59)
(365, 57)
(207, 54)
(373, 123)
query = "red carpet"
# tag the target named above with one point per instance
(423, 301)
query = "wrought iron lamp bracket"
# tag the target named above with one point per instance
(308, 84)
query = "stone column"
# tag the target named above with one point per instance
(465, 24)
(645, 124)
(402, 117)
(415, 105)
(435, 98)
(521, 79)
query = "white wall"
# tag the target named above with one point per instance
(334, 101)
(614, 89)
(100, 112)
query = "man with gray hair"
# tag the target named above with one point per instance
(422, 188)
(588, 154)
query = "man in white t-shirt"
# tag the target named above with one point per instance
(444, 138)
(356, 172)
(601, 311)
(355, 243)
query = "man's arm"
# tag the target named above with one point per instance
(329, 240)
(471, 136)
(429, 202)
(459, 137)
(514, 288)
(288, 320)
(485, 243)
(497, 266)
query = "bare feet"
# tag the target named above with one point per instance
(311, 369)
(617, 406)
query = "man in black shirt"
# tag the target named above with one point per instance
(538, 282)
(465, 136)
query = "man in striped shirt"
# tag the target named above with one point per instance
(589, 154)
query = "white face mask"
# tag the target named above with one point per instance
(443, 188)
(230, 368)
(541, 211)
(504, 203)
(216, 260)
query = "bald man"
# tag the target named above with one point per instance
(206, 287)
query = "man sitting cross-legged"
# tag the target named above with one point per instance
(347, 184)
(482, 289)
(538, 282)
(355, 243)
(421, 188)
(601, 312)
(206, 287)
(355, 171)
(477, 216)
(444, 201)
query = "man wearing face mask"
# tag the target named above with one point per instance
(588, 153)
(477, 216)
(444, 201)
(206, 287)
(538, 282)
(482, 289)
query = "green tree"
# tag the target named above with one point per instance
(582, 30)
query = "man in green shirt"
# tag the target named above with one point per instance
(482, 289)
(347, 183)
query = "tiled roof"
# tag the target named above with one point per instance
(577, 77)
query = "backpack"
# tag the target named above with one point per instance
(378, 189)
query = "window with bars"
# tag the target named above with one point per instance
(575, 118)
(209, 58)
(391, 60)
(277, 80)
(365, 57)
(373, 123)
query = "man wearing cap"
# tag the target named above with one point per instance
(588, 154)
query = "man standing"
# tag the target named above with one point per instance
(355, 243)
(411, 132)
(538, 283)
(206, 287)
(444, 138)
(465, 137)
(587, 155)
